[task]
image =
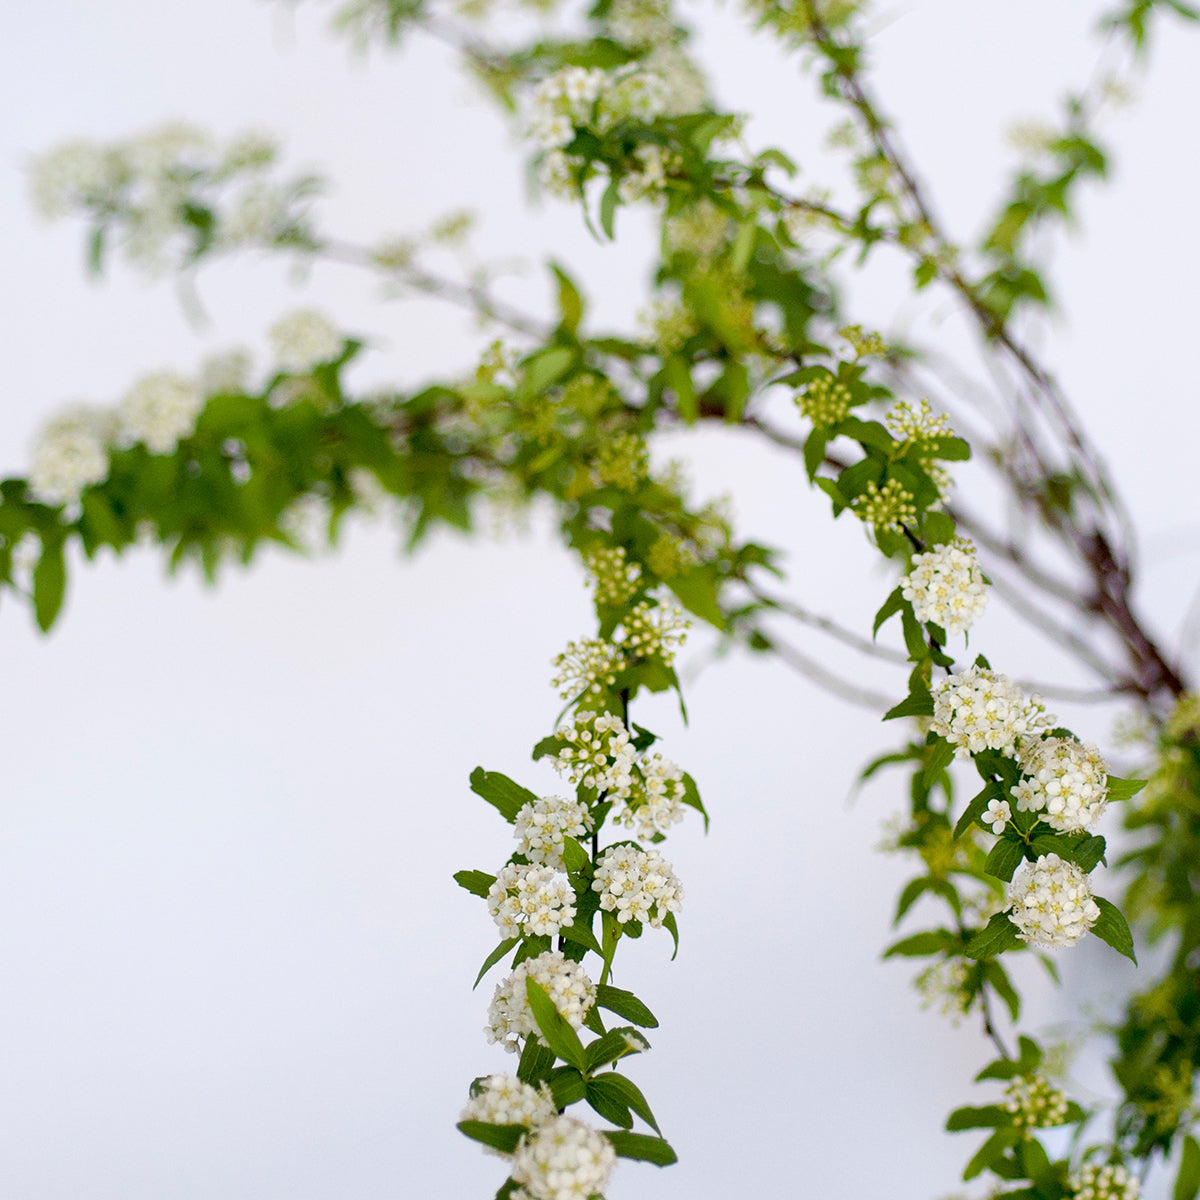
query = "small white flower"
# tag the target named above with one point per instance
(1066, 781)
(159, 410)
(304, 340)
(563, 1160)
(70, 454)
(1051, 902)
(1109, 1182)
(565, 982)
(1034, 1104)
(998, 815)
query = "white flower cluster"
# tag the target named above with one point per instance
(228, 371)
(597, 753)
(641, 22)
(654, 631)
(565, 982)
(153, 185)
(613, 577)
(304, 340)
(159, 410)
(946, 586)
(543, 824)
(530, 899)
(70, 454)
(655, 802)
(1050, 902)
(564, 1159)
(1066, 781)
(979, 709)
(505, 1100)
(587, 667)
(1033, 1103)
(1110, 1182)
(638, 885)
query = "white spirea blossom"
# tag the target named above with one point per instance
(562, 101)
(1051, 902)
(980, 710)
(305, 522)
(228, 371)
(303, 340)
(656, 800)
(70, 454)
(72, 175)
(612, 576)
(565, 982)
(543, 824)
(159, 410)
(1109, 1182)
(563, 1160)
(1066, 781)
(597, 753)
(505, 1100)
(586, 667)
(637, 885)
(1033, 1103)
(998, 814)
(655, 631)
(945, 586)
(530, 899)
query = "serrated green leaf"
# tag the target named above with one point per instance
(890, 607)
(625, 1004)
(932, 941)
(997, 936)
(1124, 789)
(570, 303)
(493, 958)
(548, 745)
(575, 857)
(691, 797)
(913, 890)
(1111, 927)
(581, 935)
(991, 1152)
(499, 1137)
(630, 1094)
(988, 1116)
(478, 883)
(916, 704)
(566, 1085)
(608, 1103)
(556, 1031)
(1187, 1181)
(507, 797)
(641, 1147)
(1005, 857)
(616, 1044)
(941, 755)
(996, 975)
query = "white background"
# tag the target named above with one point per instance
(234, 962)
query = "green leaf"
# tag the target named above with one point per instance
(913, 890)
(989, 1116)
(608, 208)
(996, 975)
(493, 958)
(1111, 927)
(615, 1044)
(609, 1104)
(570, 303)
(641, 1147)
(581, 935)
(916, 704)
(500, 1137)
(574, 855)
(1005, 858)
(630, 1095)
(678, 376)
(890, 607)
(998, 935)
(49, 585)
(672, 926)
(501, 793)
(814, 449)
(536, 1063)
(545, 369)
(477, 883)
(625, 1004)
(1123, 789)
(691, 797)
(991, 1152)
(548, 745)
(941, 755)
(556, 1031)
(932, 941)
(696, 590)
(566, 1085)
(973, 811)
(868, 433)
(1187, 1182)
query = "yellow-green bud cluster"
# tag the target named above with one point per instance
(1109, 1182)
(1184, 723)
(698, 230)
(668, 324)
(824, 401)
(613, 577)
(623, 461)
(655, 632)
(1034, 1104)
(864, 344)
(917, 423)
(944, 986)
(587, 667)
(669, 557)
(886, 508)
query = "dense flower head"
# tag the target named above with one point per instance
(630, 93)
(824, 401)
(641, 22)
(917, 423)
(613, 577)
(159, 410)
(530, 898)
(943, 984)
(597, 753)
(667, 323)
(945, 586)
(505, 1100)
(637, 885)
(70, 454)
(654, 631)
(1051, 902)
(543, 824)
(623, 461)
(303, 340)
(586, 668)
(227, 372)
(699, 230)
(1065, 781)
(75, 174)
(669, 556)
(564, 1159)
(1033, 1103)
(978, 709)
(655, 802)
(887, 508)
(1109, 1182)
(565, 982)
